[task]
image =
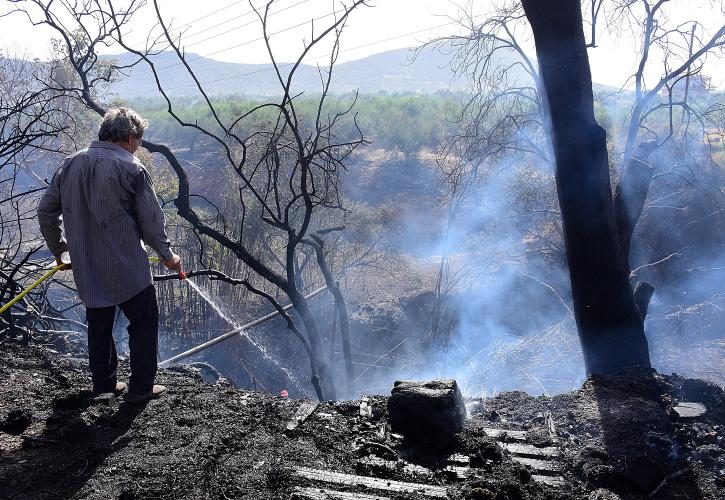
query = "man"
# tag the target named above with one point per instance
(104, 200)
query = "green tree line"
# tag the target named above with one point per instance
(407, 122)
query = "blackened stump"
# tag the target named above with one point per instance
(432, 411)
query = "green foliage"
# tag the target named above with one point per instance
(407, 122)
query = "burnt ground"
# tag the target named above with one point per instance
(621, 436)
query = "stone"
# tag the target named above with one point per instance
(303, 412)
(432, 411)
(690, 410)
(481, 494)
(603, 494)
(75, 427)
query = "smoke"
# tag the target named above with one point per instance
(505, 321)
(505, 303)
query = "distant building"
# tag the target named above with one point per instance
(698, 85)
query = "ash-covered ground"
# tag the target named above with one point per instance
(641, 435)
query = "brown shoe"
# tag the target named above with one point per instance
(153, 393)
(120, 389)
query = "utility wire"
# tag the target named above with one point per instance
(237, 27)
(283, 65)
(304, 23)
(210, 14)
(209, 28)
(214, 12)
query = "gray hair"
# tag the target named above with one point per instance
(119, 124)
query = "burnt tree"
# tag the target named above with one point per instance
(666, 133)
(610, 326)
(288, 171)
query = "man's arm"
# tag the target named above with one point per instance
(150, 217)
(50, 217)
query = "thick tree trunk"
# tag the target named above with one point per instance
(610, 329)
(341, 308)
(629, 198)
(631, 193)
(326, 381)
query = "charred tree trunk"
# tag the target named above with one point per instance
(325, 377)
(341, 308)
(629, 198)
(609, 324)
(631, 193)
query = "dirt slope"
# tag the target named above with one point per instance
(213, 441)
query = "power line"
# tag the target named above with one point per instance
(238, 27)
(215, 12)
(284, 65)
(210, 14)
(209, 28)
(304, 23)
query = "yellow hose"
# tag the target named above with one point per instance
(43, 278)
(36, 283)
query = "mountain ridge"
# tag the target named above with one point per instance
(390, 71)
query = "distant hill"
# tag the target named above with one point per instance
(391, 71)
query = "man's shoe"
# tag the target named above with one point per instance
(120, 389)
(153, 393)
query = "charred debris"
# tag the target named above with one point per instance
(636, 435)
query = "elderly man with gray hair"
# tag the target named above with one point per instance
(101, 207)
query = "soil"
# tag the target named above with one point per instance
(620, 437)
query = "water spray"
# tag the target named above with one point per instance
(237, 331)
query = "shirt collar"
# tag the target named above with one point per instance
(110, 146)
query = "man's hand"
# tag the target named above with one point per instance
(66, 265)
(174, 263)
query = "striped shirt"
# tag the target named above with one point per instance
(99, 207)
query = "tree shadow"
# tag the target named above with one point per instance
(79, 435)
(641, 455)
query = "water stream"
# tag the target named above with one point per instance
(228, 317)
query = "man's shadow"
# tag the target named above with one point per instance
(639, 439)
(59, 462)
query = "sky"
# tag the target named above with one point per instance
(227, 30)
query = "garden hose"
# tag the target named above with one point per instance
(43, 278)
(36, 283)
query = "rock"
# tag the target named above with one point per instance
(690, 410)
(598, 474)
(603, 494)
(481, 494)
(590, 452)
(106, 398)
(487, 451)
(431, 411)
(539, 437)
(76, 427)
(16, 422)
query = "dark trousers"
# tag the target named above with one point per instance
(142, 312)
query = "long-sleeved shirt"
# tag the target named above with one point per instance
(100, 206)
